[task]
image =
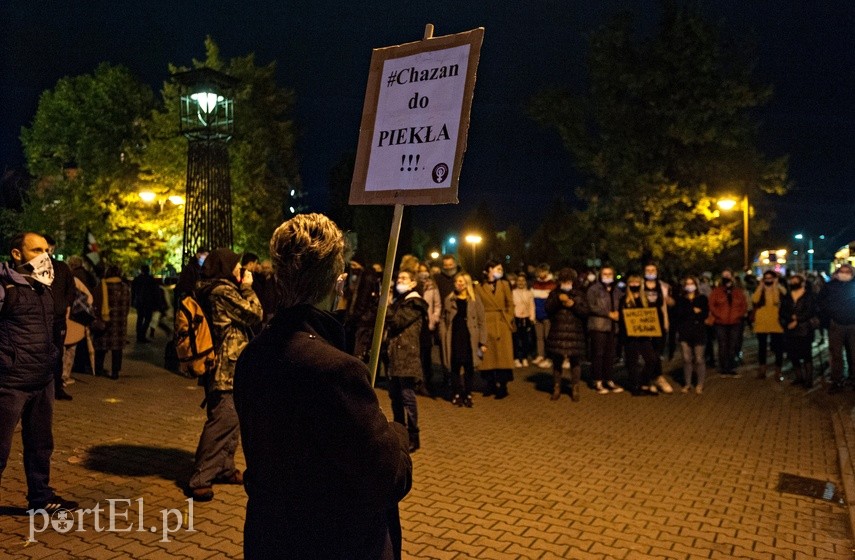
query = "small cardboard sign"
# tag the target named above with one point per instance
(643, 321)
(415, 121)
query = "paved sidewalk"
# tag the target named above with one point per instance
(676, 476)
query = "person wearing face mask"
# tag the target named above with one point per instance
(404, 322)
(603, 302)
(27, 358)
(543, 284)
(690, 312)
(770, 334)
(498, 361)
(233, 310)
(658, 294)
(837, 309)
(567, 308)
(635, 347)
(524, 316)
(798, 316)
(444, 280)
(728, 306)
(325, 469)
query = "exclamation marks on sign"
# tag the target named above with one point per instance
(409, 163)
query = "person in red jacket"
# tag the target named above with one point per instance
(727, 308)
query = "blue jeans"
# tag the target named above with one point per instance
(35, 411)
(693, 360)
(402, 393)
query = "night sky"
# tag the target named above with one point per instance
(323, 48)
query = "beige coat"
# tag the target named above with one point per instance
(499, 321)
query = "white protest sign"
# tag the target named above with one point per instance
(415, 121)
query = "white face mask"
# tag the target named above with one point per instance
(566, 287)
(42, 269)
(843, 277)
(607, 280)
(690, 288)
(498, 274)
(592, 277)
(650, 276)
(402, 288)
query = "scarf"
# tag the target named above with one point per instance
(105, 300)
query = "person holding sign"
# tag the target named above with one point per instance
(689, 315)
(324, 468)
(567, 308)
(639, 322)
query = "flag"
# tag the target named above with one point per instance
(90, 250)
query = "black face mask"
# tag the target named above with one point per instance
(768, 282)
(795, 285)
(727, 281)
(635, 289)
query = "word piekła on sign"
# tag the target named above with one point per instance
(415, 121)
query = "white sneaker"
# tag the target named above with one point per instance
(538, 360)
(653, 389)
(699, 389)
(545, 363)
(613, 387)
(525, 362)
(566, 364)
(517, 363)
(686, 389)
(663, 385)
(598, 387)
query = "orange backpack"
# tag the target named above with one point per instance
(194, 342)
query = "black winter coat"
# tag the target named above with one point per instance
(405, 319)
(566, 324)
(27, 352)
(689, 324)
(324, 467)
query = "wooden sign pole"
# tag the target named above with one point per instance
(386, 284)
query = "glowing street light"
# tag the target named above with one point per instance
(730, 203)
(473, 239)
(434, 255)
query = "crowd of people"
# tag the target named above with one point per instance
(290, 381)
(560, 321)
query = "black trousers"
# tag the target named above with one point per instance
(143, 322)
(603, 351)
(633, 349)
(59, 329)
(116, 362)
(34, 409)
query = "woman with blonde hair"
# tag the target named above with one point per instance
(637, 346)
(463, 336)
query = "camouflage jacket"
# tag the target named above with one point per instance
(233, 311)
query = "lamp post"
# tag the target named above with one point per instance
(474, 240)
(727, 204)
(207, 121)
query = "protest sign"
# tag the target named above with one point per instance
(415, 121)
(643, 321)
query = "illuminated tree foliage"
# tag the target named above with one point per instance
(99, 139)
(665, 128)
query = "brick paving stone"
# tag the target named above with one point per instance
(676, 476)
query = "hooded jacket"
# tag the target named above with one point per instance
(232, 310)
(27, 352)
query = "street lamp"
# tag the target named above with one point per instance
(473, 239)
(206, 119)
(810, 251)
(449, 246)
(728, 204)
(149, 197)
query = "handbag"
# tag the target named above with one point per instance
(81, 311)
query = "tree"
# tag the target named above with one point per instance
(81, 148)
(666, 126)
(266, 186)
